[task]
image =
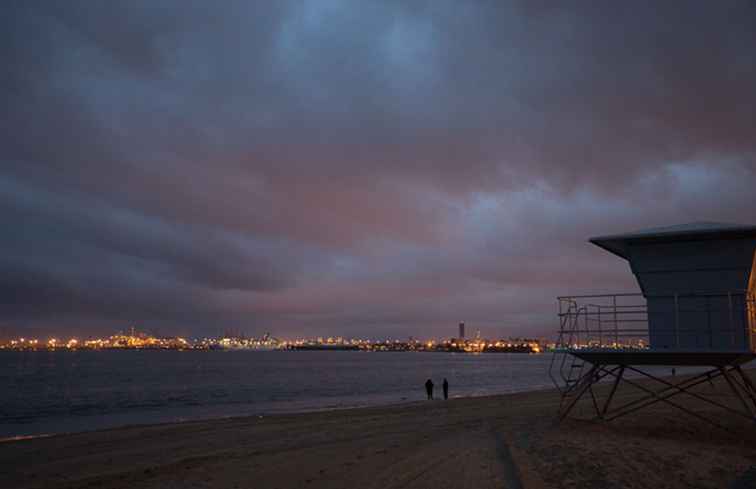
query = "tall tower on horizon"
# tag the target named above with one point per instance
(462, 330)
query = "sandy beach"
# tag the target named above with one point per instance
(509, 441)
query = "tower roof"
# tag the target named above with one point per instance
(618, 243)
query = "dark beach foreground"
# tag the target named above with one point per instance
(509, 441)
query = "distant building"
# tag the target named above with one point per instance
(462, 331)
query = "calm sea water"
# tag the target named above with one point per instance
(65, 391)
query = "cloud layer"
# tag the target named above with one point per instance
(357, 168)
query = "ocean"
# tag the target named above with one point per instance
(49, 392)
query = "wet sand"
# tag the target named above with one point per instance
(510, 441)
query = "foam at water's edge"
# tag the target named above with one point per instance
(25, 437)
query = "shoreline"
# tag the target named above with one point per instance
(67, 424)
(204, 413)
(278, 412)
(509, 440)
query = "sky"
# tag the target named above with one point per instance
(367, 169)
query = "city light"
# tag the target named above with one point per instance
(134, 340)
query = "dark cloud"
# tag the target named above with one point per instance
(356, 167)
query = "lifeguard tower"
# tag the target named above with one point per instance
(696, 308)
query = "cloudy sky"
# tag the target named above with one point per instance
(359, 168)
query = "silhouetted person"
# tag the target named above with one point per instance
(429, 388)
(445, 385)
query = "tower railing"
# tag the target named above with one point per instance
(620, 322)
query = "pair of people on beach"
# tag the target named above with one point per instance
(429, 388)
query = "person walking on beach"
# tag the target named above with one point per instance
(429, 388)
(445, 385)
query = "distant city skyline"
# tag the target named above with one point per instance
(139, 340)
(62, 335)
(365, 169)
